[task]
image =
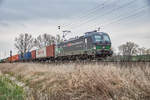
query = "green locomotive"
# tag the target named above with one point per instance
(91, 45)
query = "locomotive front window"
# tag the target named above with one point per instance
(98, 38)
(106, 38)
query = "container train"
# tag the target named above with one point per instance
(89, 46)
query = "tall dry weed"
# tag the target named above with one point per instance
(84, 82)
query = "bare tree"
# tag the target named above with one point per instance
(44, 40)
(58, 39)
(148, 51)
(142, 51)
(24, 43)
(130, 48)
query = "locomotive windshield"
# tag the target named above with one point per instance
(101, 38)
(98, 38)
(106, 38)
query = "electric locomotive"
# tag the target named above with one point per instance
(91, 45)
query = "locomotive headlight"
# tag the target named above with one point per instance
(103, 47)
(94, 47)
(110, 48)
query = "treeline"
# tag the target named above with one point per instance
(132, 49)
(26, 42)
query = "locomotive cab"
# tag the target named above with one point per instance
(100, 43)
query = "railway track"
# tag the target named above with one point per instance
(95, 62)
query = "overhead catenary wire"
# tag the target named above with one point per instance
(106, 14)
(110, 11)
(94, 10)
(116, 18)
(89, 12)
(133, 14)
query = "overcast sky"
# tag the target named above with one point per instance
(124, 20)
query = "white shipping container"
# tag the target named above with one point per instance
(41, 53)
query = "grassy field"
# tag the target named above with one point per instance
(9, 90)
(83, 81)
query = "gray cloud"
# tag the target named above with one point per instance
(141, 35)
(4, 24)
(42, 16)
(148, 2)
(23, 10)
(1, 1)
(35, 9)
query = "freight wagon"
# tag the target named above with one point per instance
(14, 58)
(46, 53)
(41, 53)
(33, 54)
(25, 57)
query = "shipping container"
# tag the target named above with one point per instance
(15, 58)
(9, 59)
(41, 53)
(33, 54)
(50, 51)
(21, 58)
(27, 56)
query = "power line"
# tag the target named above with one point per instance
(134, 14)
(90, 12)
(107, 13)
(118, 17)
(122, 6)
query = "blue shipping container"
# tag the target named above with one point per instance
(21, 58)
(27, 56)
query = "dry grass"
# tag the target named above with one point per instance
(83, 82)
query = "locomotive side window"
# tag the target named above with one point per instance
(89, 42)
(85, 40)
